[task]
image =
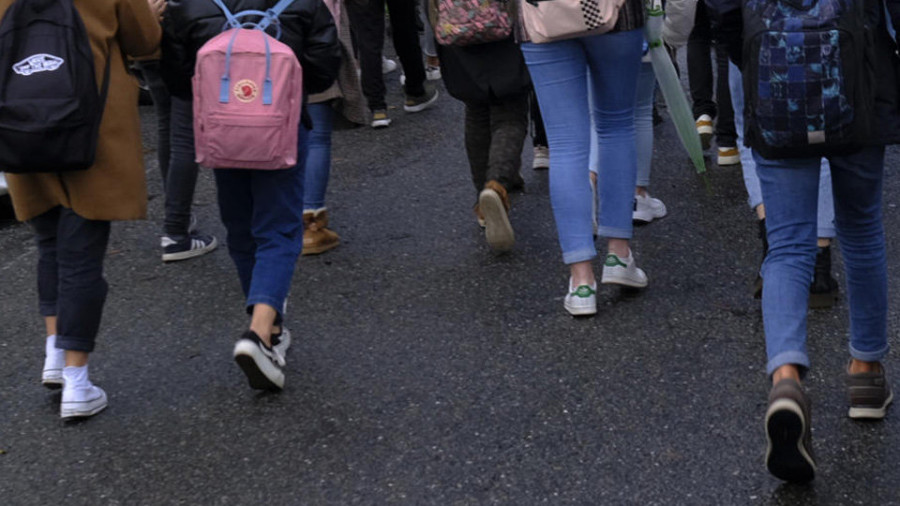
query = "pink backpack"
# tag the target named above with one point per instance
(467, 22)
(248, 89)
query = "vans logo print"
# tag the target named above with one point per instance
(246, 91)
(38, 63)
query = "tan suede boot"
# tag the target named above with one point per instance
(493, 203)
(317, 238)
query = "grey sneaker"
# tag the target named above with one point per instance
(789, 455)
(870, 394)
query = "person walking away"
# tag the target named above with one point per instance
(559, 70)
(345, 96)
(262, 209)
(70, 212)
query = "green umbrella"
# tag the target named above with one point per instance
(679, 109)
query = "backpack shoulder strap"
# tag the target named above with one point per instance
(273, 13)
(232, 21)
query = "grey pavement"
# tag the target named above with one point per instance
(427, 370)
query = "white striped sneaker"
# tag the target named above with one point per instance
(192, 246)
(261, 363)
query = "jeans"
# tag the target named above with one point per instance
(748, 165)
(162, 106)
(495, 134)
(263, 213)
(700, 78)
(318, 156)
(790, 191)
(70, 275)
(426, 38)
(643, 126)
(560, 72)
(367, 21)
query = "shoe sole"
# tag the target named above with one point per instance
(52, 379)
(614, 280)
(184, 255)
(248, 358)
(69, 412)
(320, 249)
(382, 123)
(425, 105)
(729, 160)
(646, 216)
(580, 311)
(871, 413)
(497, 229)
(540, 164)
(786, 458)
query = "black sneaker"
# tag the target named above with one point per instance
(261, 363)
(789, 455)
(191, 246)
(823, 291)
(418, 103)
(870, 394)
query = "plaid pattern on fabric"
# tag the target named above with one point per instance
(802, 89)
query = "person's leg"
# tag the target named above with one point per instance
(790, 190)
(406, 43)
(236, 210)
(857, 184)
(541, 154)
(508, 127)
(161, 105)
(700, 72)
(726, 136)
(478, 141)
(643, 124)
(179, 242)
(615, 65)
(46, 227)
(426, 39)
(367, 21)
(317, 237)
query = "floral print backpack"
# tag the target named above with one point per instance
(468, 22)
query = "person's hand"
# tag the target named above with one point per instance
(158, 7)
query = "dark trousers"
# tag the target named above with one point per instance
(538, 133)
(700, 78)
(495, 134)
(70, 275)
(175, 150)
(367, 21)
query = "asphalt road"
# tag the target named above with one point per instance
(427, 370)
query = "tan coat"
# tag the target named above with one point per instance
(115, 187)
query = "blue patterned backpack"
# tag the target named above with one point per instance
(808, 77)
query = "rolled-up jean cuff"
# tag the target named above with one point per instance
(754, 203)
(869, 356)
(826, 232)
(74, 344)
(645, 183)
(797, 358)
(269, 301)
(582, 255)
(47, 308)
(614, 233)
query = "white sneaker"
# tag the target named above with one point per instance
(705, 129)
(541, 158)
(388, 65)
(262, 364)
(80, 397)
(623, 271)
(581, 300)
(432, 73)
(54, 361)
(281, 342)
(647, 209)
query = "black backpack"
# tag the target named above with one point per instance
(808, 77)
(50, 109)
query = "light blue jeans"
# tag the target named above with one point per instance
(790, 191)
(560, 71)
(748, 165)
(643, 126)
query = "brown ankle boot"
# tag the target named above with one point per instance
(493, 203)
(317, 238)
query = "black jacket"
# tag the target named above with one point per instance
(307, 26)
(484, 72)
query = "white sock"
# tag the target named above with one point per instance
(76, 377)
(50, 346)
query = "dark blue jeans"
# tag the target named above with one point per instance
(263, 213)
(70, 275)
(790, 191)
(318, 158)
